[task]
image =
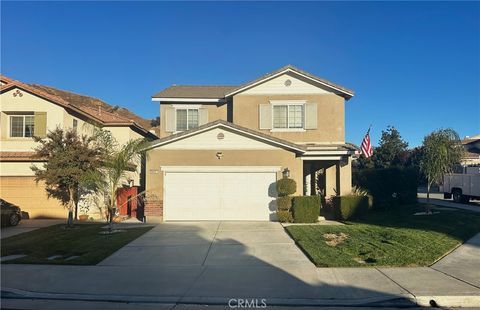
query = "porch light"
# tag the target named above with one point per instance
(286, 173)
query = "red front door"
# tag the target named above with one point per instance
(127, 201)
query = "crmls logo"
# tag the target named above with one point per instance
(247, 303)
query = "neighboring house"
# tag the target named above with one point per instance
(222, 148)
(472, 151)
(32, 110)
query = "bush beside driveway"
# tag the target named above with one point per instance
(393, 237)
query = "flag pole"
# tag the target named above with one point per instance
(369, 127)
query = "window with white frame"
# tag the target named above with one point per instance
(186, 119)
(288, 116)
(22, 126)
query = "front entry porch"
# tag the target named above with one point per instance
(327, 177)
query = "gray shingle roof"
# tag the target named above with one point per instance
(195, 91)
(219, 91)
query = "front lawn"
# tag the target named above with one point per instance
(83, 241)
(387, 238)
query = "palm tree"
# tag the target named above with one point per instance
(116, 161)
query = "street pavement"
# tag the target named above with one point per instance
(214, 262)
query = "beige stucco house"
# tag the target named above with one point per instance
(222, 148)
(28, 110)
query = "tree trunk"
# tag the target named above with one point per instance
(428, 191)
(428, 209)
(70, 218)
(71, 207)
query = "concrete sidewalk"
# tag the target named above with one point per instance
(451, 282)
(28, 225)
(437, 199)
(217, 285)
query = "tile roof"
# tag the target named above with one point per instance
(18, 156)
(75, 102)
(195, 91)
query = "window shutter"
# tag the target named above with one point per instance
(311, 116)
(170, 119)
(40, 124)
(265, 116)
(202, 116)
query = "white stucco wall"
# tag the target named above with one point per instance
(56, 116)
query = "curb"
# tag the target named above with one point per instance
(400, 301)
(467, 301)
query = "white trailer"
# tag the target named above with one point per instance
(461, 186)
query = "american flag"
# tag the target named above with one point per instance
(367, 150)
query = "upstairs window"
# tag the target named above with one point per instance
(288, 116)
(75, 124)
(186, 119)
(22, 126)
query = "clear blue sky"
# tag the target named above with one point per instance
(412, 65)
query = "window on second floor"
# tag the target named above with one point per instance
(22, 126)
(186, 119)
(75, 124)
(288, 116)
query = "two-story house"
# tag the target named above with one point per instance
(28, 110)
(222, 148)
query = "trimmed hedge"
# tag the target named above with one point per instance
(284, 216)
(350, 207)
(389, 187)
(306, 209)
(284, 203)
(286, 187)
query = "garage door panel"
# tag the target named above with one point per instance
(246, 196)
(189, 196)
(219, 195)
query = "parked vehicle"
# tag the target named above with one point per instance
(11, 214)
(463, 187)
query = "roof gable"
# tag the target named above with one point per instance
(286, 84)
(223, 135)
(341, 91)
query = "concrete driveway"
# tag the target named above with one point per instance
(27, 225)
(211, 244)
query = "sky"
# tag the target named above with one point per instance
(412, 65)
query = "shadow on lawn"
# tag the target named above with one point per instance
(457, 223)
(178, 262)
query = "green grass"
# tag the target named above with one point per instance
(83, 240)
(389, 238)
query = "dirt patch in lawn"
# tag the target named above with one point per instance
(335, 239)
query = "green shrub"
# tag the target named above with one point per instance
(284, 203)
(284, 216)
(389, 187)
(350, 207)
(306, 209)
(286, 187)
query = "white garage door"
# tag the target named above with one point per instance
(219, 195)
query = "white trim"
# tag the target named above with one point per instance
(288, 103)
(322, 158)
(224, 125)
(188, 99)
(283, 72)
(327, 152)
(288, 129)
(186, 106)
(23, 125)
(191, 169)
